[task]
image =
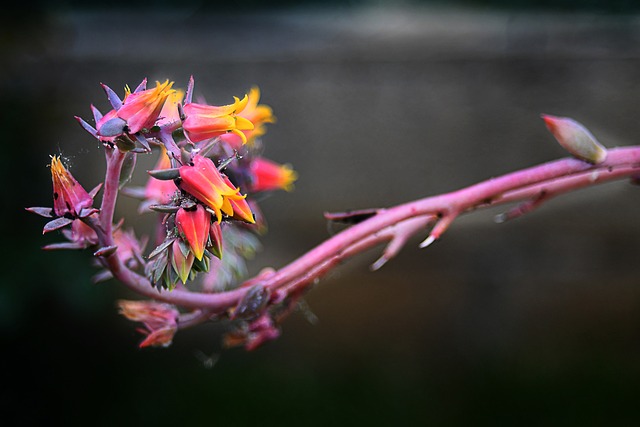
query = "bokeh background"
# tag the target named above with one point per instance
(532, 322)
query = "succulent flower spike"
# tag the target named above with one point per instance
(207, 121)
(576, 139)
(203, 180)
(267, 175)
(193, 225)
(69, 198)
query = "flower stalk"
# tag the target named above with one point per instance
(204, 196)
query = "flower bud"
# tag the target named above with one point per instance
(268, 175)
(576, 139)
(193, 225)
(69, 197)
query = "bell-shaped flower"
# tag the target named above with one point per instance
(208, 121)
(267, 175)
(142, 109)
(193, 226)
(160, 320)
(139, 111)
(203, 180)
(258, 114)
(69, 198)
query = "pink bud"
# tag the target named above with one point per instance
(576, 139)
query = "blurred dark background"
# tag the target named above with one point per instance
(531, 322)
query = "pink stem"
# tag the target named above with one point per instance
(115, 158)
(554, 177)
(482, 194)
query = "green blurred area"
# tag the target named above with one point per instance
(530, 323)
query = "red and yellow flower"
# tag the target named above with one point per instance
(258, 114)
(141, 109)
(267, 175)
(208, 121)
(68, 195)
(194, 225)
(203, 180)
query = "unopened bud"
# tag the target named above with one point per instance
(576, 139)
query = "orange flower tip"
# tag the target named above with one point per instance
(244, 124)
(239, 133)
(215, 212)
(241, 103)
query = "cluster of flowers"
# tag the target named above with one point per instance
(208, 171)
